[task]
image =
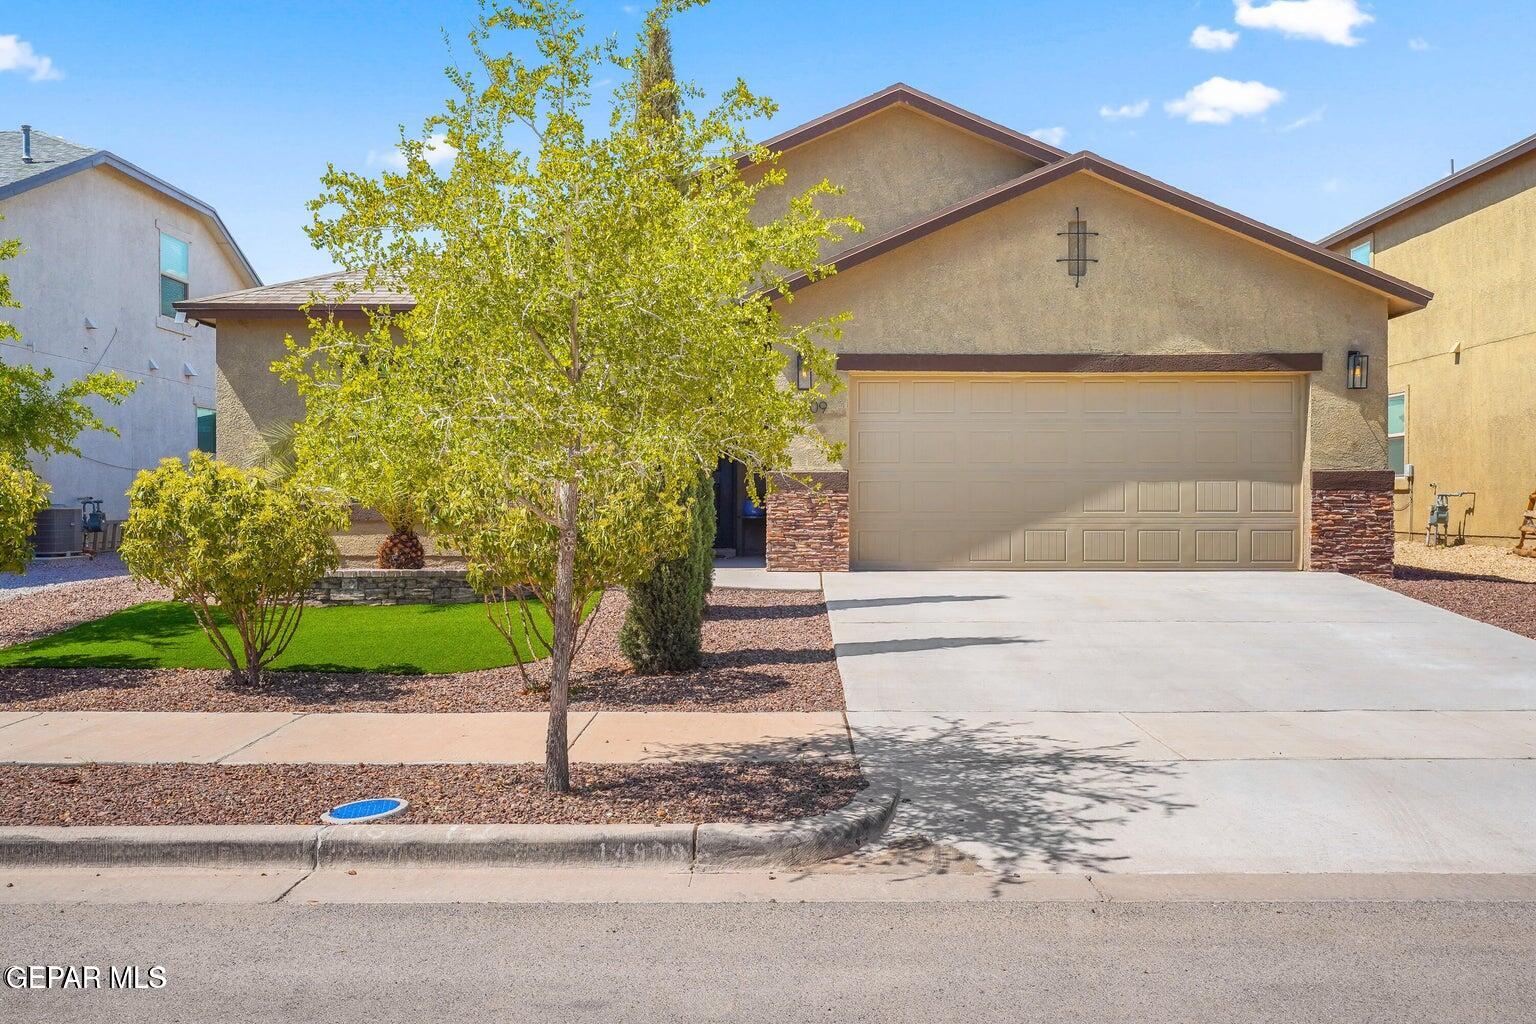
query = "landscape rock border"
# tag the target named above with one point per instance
(704, 846)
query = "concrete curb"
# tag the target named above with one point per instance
(188, 846)
(790, 843)
(805, 841)
(505, 845)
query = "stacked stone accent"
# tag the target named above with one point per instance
(393, 586)
(808, 528)
(1352, 528)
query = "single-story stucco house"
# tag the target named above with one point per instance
(1054, 362)
(1461, 377)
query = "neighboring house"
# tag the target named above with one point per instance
(1054, 362)
(1462, 375)
(108, 248)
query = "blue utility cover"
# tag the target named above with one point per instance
(359, 811)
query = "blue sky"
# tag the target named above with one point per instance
(1327, 116)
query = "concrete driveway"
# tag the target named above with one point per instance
(1192, 722)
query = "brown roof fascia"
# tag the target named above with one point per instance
(1407, 297)
(211, 312)
(1082, 362)
(1465, 176)
(917, 100)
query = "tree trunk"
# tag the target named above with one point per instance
(557, 764)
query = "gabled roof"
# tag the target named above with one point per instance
(54, 158)
(1402, 297)
(286, 297)
(905, 95)
(1466, 175)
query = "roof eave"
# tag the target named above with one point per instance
(1451, 182)
(106, 158)
(902, 94)
(1402, 297)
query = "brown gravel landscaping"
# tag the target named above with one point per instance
(1499, 602)
(40, 612)
(765, 650)
(188, 794)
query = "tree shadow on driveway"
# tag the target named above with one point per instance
(856, 648)
(1016, 803)
(849, 604)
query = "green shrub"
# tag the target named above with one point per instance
(22, 496)
(216, 536)
(663, 629)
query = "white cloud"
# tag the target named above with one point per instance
(1418, 44)
(16, 54)
(1124, 111)
(438, 153)
(1302, 122)
(1206, 38)
(1218, 100)
(1049, 136)
(1331, 21)
(1331, 185)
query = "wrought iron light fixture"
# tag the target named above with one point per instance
(1077, 258)
(1358, 371)
(804, 378)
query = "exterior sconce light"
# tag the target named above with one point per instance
(804, 378)
(1358, 371)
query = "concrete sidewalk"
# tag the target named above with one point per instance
(609, 737)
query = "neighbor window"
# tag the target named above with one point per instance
(207, 431)
(1361, 252)
(173, 273)
(1397, 432)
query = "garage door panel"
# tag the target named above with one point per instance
(1016, 471)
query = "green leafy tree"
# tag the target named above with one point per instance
(365, 437)
(36, 419)
(22, 496)
(228, 544)
(587, 338)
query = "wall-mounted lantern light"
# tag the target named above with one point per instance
(1358, 371)
(804, 378)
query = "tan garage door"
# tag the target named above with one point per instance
(1076, 472)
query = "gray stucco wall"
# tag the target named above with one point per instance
(93, 251)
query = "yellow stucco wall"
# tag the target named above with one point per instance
(895, 167)
(1471, 425)
(1166, 283)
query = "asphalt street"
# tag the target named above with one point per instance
(1220, 962)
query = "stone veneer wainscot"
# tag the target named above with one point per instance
(1352, 522)
(808, 526)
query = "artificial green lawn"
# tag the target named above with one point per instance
(406, 639)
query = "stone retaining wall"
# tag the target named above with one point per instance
(393, 586)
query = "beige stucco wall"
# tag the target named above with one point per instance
(92, 250)
(1165, 283)
(895, 167)
(251, 397)
(1471, 425)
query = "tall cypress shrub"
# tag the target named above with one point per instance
(663, 629)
